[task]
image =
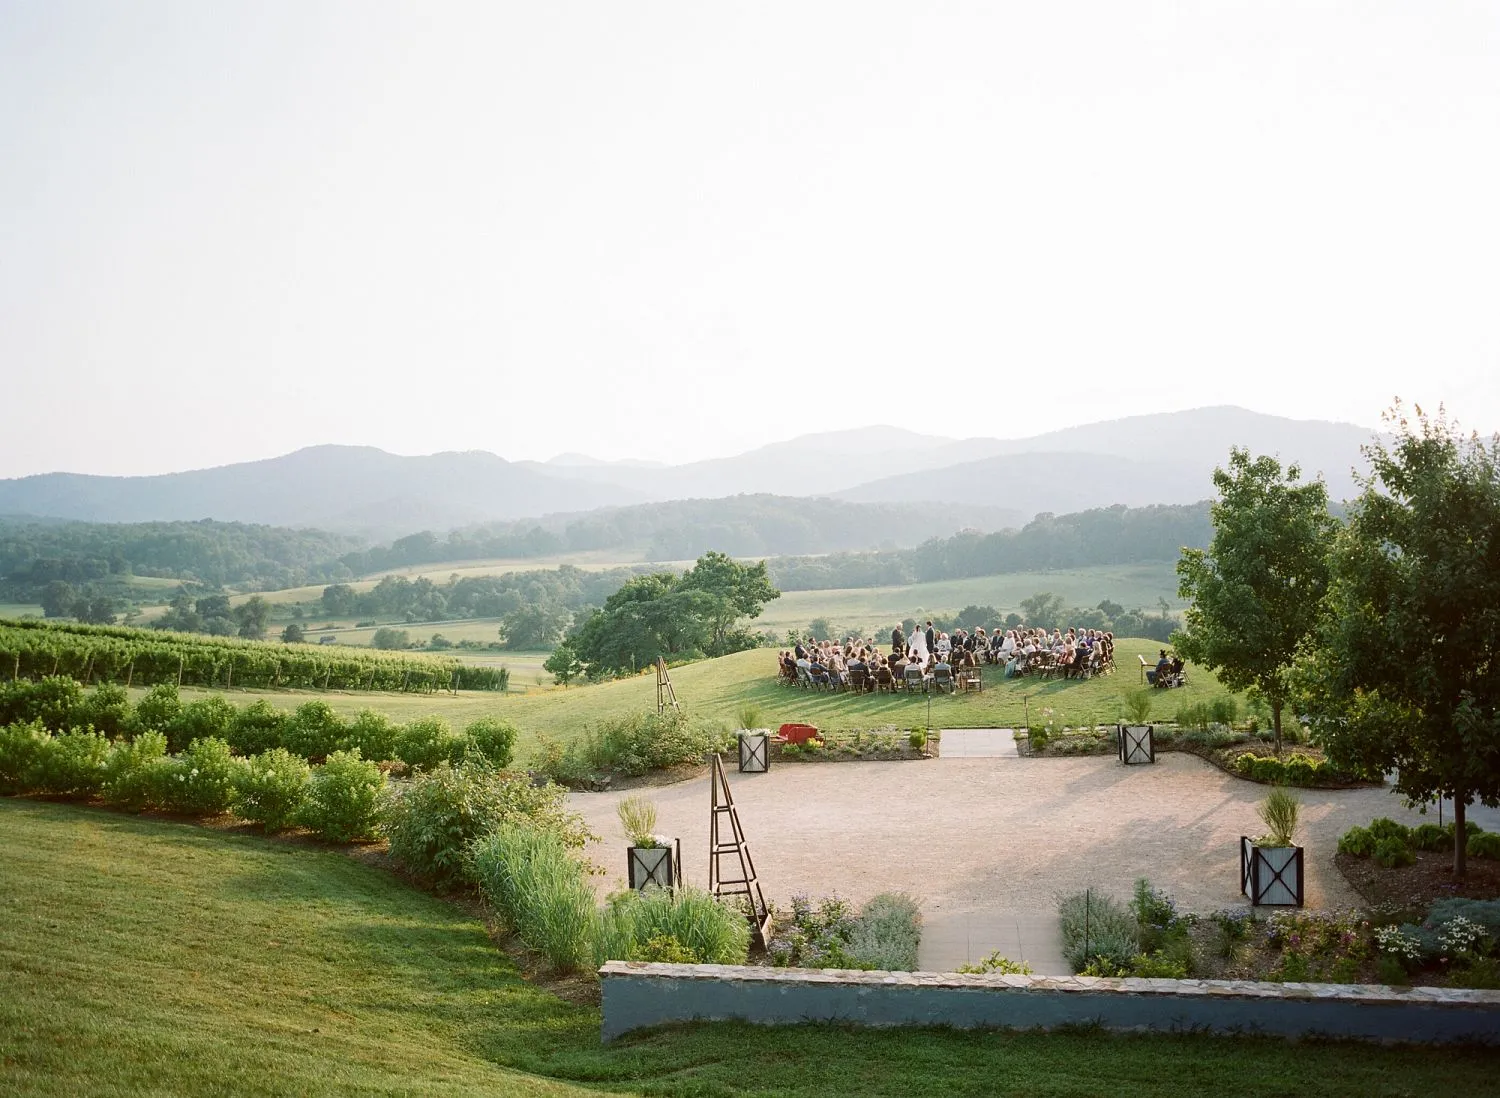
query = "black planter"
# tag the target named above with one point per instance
(1136, 743)
(1271, 876)
(654, 866)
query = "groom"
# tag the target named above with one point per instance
(931, 642)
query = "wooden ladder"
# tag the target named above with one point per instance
(746, 883)
(665, 695)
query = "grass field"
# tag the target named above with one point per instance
(875, 610)
(19, 610)
(718, 688)
(151, 957)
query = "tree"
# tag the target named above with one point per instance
(339, 600)
(251, 616)
(738, 591)
(564, 664)
(534, 625)
(293, 634)
(58, 599)
(96, 609)
(390, 640)
(1256, 590)
(973, 617)
(1042, 610)
(820, 629)
(1405, 674)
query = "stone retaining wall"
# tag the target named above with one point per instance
(638, 994)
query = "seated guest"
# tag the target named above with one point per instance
(1157, 676)
(883, 674)
(819, 671)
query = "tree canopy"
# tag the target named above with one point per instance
(1404, 674)
(1257, 590)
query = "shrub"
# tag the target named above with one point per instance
(490, 739)
(1161, 966)
(372, 735)
(202, 781)
(1391, 851)
(1037, 737)
(134, 771)
(158, 708)
(532, 880)
(72, 764)
(637, 925)
(887, 933)
(314, 731)
(1483, 846)
(1268, 770)
(343, 798)
(258, 727)
(1244, 763)
(1096, 927)
(424, 742)
(1384, 828)
(1301, 770)
(106, 709)
(1357, 841)
(1137, 706)
(1432, 838)
(998, 964)
(54, 701)
(207, 718)
(632, 746)
(21, 749)
(432, 824)
(917, 739)
(1224, 710)
(270, 789)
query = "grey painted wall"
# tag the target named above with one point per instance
(639, 994)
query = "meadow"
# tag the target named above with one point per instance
(149, 956)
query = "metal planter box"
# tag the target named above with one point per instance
(1136, 742)
(755, 750)
(1271, 875)
(654, 866)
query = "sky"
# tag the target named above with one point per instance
(673, 231)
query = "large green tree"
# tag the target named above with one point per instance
(1405, 675)
(1256, 591)
(737, 590)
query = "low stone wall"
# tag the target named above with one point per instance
(638, 994)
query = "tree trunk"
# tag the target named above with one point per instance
(1460, 836)
(1276, 723)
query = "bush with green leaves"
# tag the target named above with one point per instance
(1432, 838)
(371, 734)
(425, 742)
(1357, 841)
(1392, 852)
(490, 739)
(22, 745)
(1482, 845)
(156, 711)
(434, 820)
(258, 727)
(72, 764)
(201, 779)
(886, 933)
(314, 731)
(689, 923)
(105, 709)
(135, 773)
(1096, 927)
(632, 746)
(533, 881)
(54, 701)
(206, 718)
(270, 789)
(343, 799)
(998, 964)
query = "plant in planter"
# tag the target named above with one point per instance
(651, 861)
(1137, 740)
(1271, 866)
(754, 741)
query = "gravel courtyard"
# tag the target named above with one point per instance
(988, 844)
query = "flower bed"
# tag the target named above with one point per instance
(885, 744)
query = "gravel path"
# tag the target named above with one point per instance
(988, 844)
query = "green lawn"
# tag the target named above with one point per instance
(718, 688)
(153, 957)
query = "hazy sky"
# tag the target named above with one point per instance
(679, 230)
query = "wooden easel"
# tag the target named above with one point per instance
(745, 884)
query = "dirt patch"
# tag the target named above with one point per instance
(1416, 887)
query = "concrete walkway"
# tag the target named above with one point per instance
(977, 743)
(988, 844)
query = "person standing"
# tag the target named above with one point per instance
(898, 641)
(931, 638)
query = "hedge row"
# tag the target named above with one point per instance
(1297, 769)
(1394, 844)
(311, 731)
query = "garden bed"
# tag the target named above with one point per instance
(885, 744)
(1405, 887)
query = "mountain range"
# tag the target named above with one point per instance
(1160, 458)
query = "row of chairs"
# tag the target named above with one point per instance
(911, 681)
(1049, 664)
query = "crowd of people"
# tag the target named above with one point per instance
(931, 658)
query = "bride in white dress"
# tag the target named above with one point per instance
(919, 644)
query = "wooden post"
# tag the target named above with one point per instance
(229, 675)
(327, 674)
(88, 669)
(129, 673)
(180, 658)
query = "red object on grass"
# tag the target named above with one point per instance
(798, 733)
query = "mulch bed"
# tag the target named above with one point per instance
(1411, 887)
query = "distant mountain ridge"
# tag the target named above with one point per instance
(1162, 458)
